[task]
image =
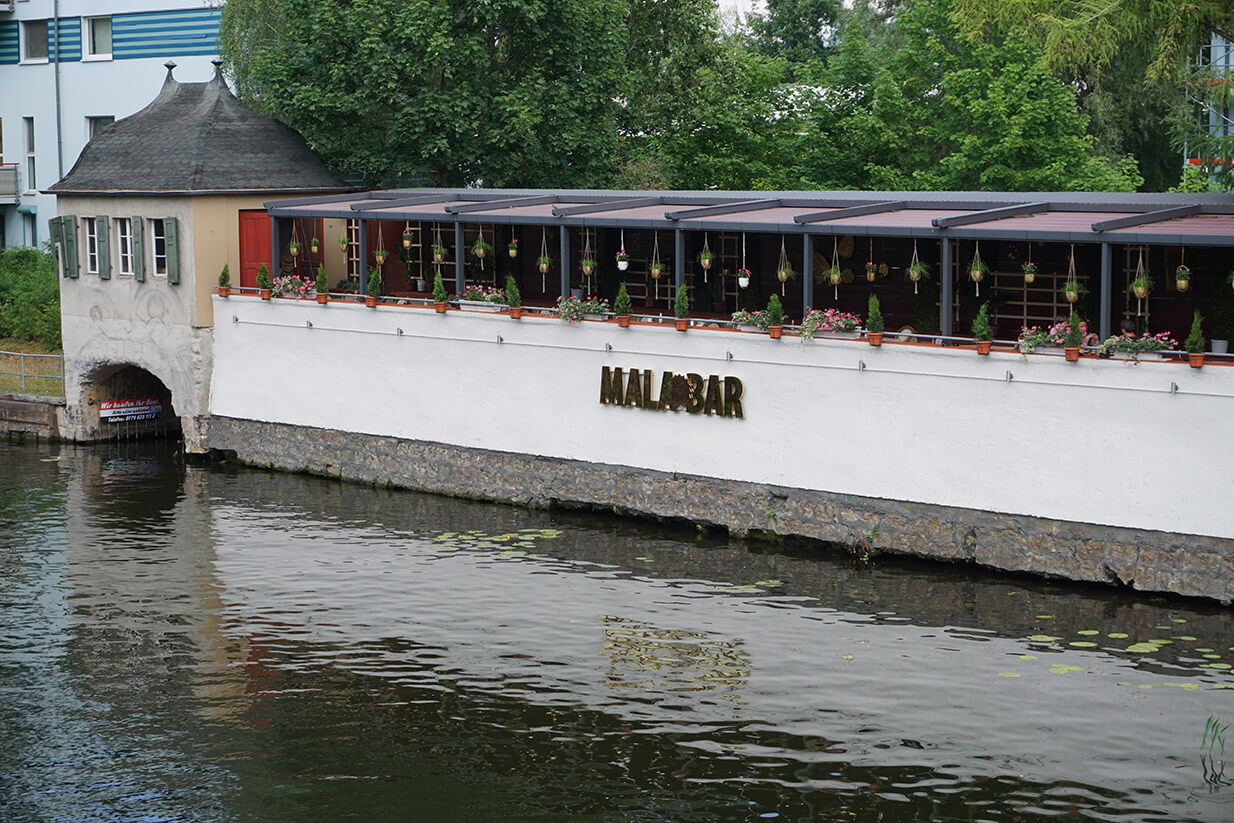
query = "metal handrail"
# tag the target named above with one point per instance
(25, 374)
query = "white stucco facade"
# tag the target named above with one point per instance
(1100, 441)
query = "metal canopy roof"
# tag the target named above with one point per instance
(1075, 217)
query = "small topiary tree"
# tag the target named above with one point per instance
(374, 282)
(874, 316)
(263, 278)
(514, 298)
(225, 276)
(439, 289)
(621, 305)
(1073, 338)
(323, 285)
(1195, 342)
(981, 324)
(681, 303)
(775, 311)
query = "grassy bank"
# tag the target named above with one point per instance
(29, 298)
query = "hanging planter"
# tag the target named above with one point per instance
(480, 248)
(1030, 272)
(656, 267)
(706, 257)
(294, 248)
(916, 271)
(1141, 284)
(409, 236)
(588, 263)
(589, 266)
(871, 271)
(543, 261)
(978, 270)
(835, 275)
(1140, 287)
(743, 278)
(784, 269)
(623, 259)
(314, 246)
(1072, 287)
(512, 248)
(439, 254)
(1182, 278)
(342, 243)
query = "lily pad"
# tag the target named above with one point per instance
(1007, 674)
(1028, 657)
(1143, 648)
(1088, 632)
(1117, 635)
(1083, 644)
(1041, 638)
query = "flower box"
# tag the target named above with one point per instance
(589, 316)
(481, 305)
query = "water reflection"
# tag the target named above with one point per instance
(191, 643)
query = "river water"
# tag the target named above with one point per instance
(193, 643)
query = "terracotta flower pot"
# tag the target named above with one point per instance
(1196, 359)
(322, 297)
(1072, 353)
(440, 307)
(264, 294)
(370, 301)
(983, 346)
(516, 312)
(682, 323)
(224, 291)
(623, 320)
(875, 338)
(775, 331)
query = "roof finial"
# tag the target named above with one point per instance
(169, 79)
(218, 72)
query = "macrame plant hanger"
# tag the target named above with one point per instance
(706, 263)
(654, 268)
(782, 266)
(835, 267)
(912, 267)
(1140, 274)
(437, 245)
(478, 248)
(743, 262)
(974, 271)
(543, 254)
(1071, 278)
(587, 255)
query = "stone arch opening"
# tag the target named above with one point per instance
(127, 402)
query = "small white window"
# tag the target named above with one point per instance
(92, 245)
(94, 125)
(96, 37)
(31, 178)
(124, 245)
(1, 140)
(158, 248)
(34, 41)
(30, 228)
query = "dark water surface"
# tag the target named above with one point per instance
(183, 643)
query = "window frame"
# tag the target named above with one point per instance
(24, 37)
(88, 54)
(31, 167)
(95, 124)
(158, 238)
(124, 247)
(90, 233)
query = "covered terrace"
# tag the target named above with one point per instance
(1105, 241)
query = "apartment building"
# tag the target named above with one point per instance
(68, 69)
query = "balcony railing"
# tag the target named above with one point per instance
(8, 184)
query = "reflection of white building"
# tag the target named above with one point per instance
(1215, 72)
(69, 68)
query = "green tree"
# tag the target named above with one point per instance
(503, 93)
(29, 296)
(800, 31)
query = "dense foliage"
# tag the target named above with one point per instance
(812, 94)
(29, 297)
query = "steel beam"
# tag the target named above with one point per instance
(425, 200)
(362, 268)
(807, 273)
(947, 291)
(986, 215)
(459, 275)
(1146, 218)
(1105, 292)
(850, 211)
(724, 208)
(507, 203)
(565, 261)
(607, 205)
(679, 258)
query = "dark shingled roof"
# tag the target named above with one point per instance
(198, 138)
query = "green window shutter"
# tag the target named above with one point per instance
(104, 246)
(138, 246)
(55, 234)
(68, 229)
(171, 231)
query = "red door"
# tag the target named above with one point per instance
(254, 245)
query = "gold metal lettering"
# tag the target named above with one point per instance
(732, 397)
(713, 404)
(634, 389)
(695, 404)
(648, 382)
(611, 381)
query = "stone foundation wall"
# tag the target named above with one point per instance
(1143, 560)
(30, 416)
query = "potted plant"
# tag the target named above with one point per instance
(374, 287)
(982, 332)
(750, 320)
(480, 248)
(1072, 289)
(621, 305)
(830, 321)
(380, 256)
(705, 258)
(323, 285)
(871, 271)
(623, 260)
(294, 247)
(409, 237)
(1132, 347)
(775, 317)
(439, 294)
(1182, 278)
(743, 278)
(544, 262)
(512, 248)
(916, 272)
(1194, 344)
(874, 322)
(342, 243)
(589, 266)
(1141, 286)
(225, 281)
(570, 309)
(314, 246)
(264, 283)
(439, 254)
(514, 298)
(681, 308)
(785, 273)
(978, 270)
(1073, 339)
(1030, 271)
(655, 268)
(482, 298)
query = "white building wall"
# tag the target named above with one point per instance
(1099, 441)
(88, 88)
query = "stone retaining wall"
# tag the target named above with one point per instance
(27, 415)
(1143, 560)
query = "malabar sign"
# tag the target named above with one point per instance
(692, 393)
